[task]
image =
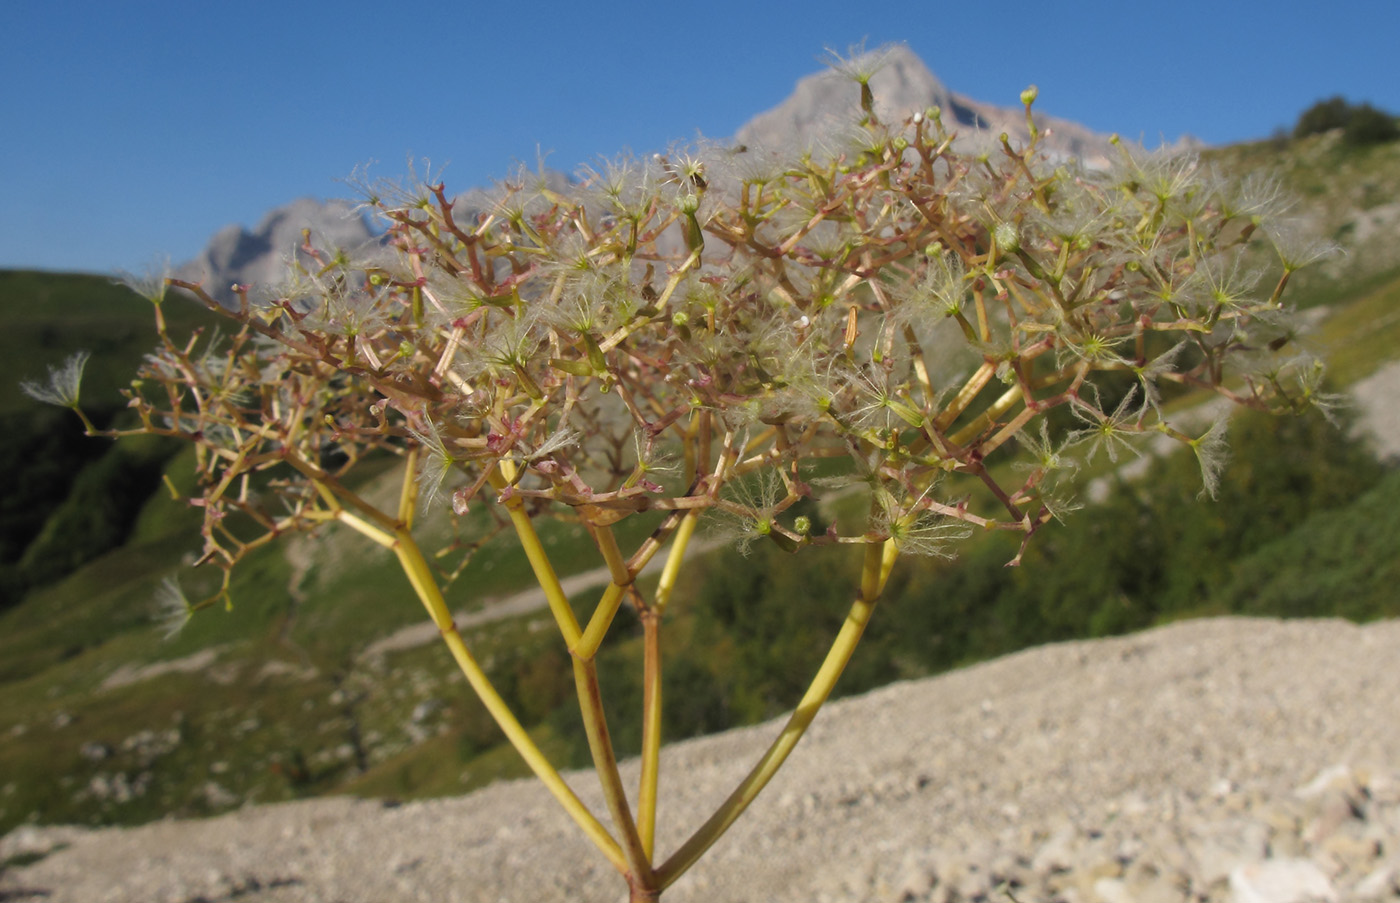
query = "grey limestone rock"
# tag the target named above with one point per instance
(258, 256)
(904, 85)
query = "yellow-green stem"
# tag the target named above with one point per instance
(651, 730)
(595, 723)
(672, 570)
(1278, 289)
(325, 483)
(585, 680)
(592, 638)
(988, 417)
(415, 566)
(651, 684)
(879, 558)
(965, 395)
(89, 428)
(408, 494)
(539, 561)
(363, 527)
(612, 555)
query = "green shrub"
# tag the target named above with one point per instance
(1342, 562)
(1370, 126)
(1360, 123)
(1323, 116)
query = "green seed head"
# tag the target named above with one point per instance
(1008, 238)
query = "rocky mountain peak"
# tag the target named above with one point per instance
(903, 85)
(827, 99)
(819, 105)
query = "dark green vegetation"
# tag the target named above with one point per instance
(67, 499)
(104, 720)
(1359, 123)
(1153, 552)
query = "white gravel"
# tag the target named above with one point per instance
(997, 762)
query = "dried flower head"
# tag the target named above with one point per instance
(63, 385)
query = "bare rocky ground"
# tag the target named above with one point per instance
(1227, 759)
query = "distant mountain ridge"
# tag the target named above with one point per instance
(819, 104)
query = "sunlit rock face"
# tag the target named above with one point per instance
(258, 256)
(822, 103)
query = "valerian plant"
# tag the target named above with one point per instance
(727, 332)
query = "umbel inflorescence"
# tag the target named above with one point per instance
(724, 331)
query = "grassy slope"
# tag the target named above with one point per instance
(289, 708)
(1346, 195)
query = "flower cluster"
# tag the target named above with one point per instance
(899, 312)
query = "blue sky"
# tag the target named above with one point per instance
(137, 129)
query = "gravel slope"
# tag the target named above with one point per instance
(1162, 760)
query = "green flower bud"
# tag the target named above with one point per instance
(680, 322)
(1029, 95)
(1007, 237)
